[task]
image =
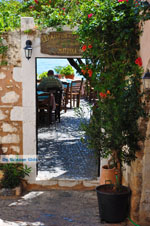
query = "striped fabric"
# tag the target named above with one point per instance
(49, 82)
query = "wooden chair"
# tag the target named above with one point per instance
(43, 106)
(38, 81)
(90, 93)
(74, 93)
(64, 101)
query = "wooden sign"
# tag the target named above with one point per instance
(62, 43)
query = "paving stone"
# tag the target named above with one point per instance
(55, 207)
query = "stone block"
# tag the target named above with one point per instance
(2, 115)
(17, 76)
(10, 97)
(8, 128)
(2, 75)
(14, 53)
(10, 138)
(68, 183)
(15, 149)
(16, 114)
(91, 183)
(4, 149)
(46, 182)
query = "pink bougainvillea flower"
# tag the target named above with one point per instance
(138, 61)
(123, 0)
(90, 72)
(36, 1)
(84, 47)
(90, 15)
(63, 9)
(90, 46)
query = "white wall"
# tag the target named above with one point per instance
(29, 91)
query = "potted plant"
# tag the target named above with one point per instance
(13, 174)
(113, 131)
(58, 69)
(67, 71)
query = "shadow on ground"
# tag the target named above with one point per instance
(61, 152)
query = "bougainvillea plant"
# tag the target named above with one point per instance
(112, 29)
(109, 34)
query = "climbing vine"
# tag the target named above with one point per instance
(9, 20)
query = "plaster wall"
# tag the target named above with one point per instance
(29, 90)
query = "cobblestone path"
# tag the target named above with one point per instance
(61, 154)
(52, 208)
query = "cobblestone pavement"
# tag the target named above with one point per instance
(52, 208)
(61, 154)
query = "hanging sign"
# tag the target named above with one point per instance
(62, 43)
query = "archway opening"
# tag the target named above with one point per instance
(61, 154)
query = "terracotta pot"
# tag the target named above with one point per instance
(24, 184)
(59, 76)
(18, 191)
(1, 174)
(107, 175)
(1, 57)
(69, 76)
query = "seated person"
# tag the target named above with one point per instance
(49, 82)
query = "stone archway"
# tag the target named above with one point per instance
(29, 105)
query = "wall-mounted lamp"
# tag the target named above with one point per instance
(28, 49)
(146, 81)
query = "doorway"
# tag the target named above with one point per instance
(61, 154)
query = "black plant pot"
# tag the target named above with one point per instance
(113, 206)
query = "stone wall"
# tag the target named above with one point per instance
(144, 206)
(10, 98)
(137, 176)
(13, 41)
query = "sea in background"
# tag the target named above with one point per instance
(46, 64)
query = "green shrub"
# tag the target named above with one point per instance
(13, 174)
(58, 69)
(42, 75)
(67, 70)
